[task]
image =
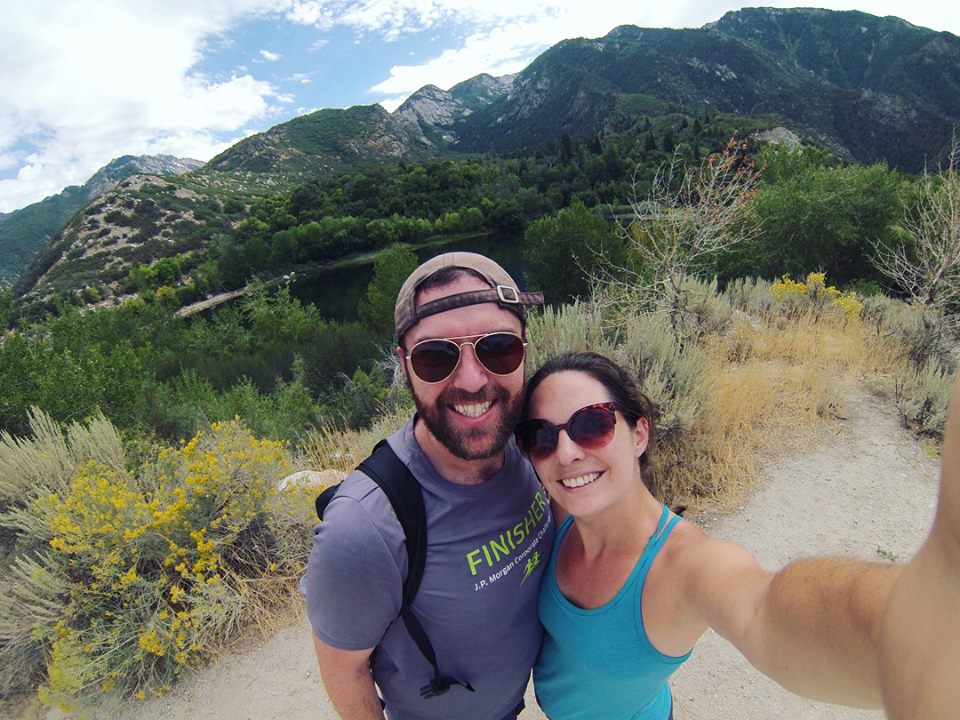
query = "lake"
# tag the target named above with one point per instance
(337, 291)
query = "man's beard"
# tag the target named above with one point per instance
(458, 440)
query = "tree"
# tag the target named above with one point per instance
(6, 307)
(812, 217)
(925, 263)
(390, 269)
(565, 251)
(689, 217)
(669, 144)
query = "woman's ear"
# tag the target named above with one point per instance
(641, 436)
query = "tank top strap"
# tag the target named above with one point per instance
(664, 526)
(666, 523)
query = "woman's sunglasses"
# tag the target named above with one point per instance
(433, 361)
(590, 427)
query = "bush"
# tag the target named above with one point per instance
(565, 251)
(923, 397)
(794, 297)
(564, 328)
(673, 377)
(361, 399)
(903, 326)
(750, 295)
(144, 573)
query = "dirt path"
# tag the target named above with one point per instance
(864, 487)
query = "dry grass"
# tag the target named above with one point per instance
(770, 382)
(754, 406)
(328, 448)
(815, 340)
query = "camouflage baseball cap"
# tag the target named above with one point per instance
(503, 290)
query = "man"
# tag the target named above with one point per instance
(460, 328)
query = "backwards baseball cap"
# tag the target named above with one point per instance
(503, 290)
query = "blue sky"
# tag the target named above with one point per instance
(84, 82)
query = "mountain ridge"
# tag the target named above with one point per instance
(25, 232)
(868, 88)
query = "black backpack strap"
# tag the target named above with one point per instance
(324, 498)
(403, 491)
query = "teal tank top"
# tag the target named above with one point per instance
(599, 663)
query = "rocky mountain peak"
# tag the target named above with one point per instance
(107, 177)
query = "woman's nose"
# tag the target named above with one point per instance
(567, 450)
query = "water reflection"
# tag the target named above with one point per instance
(337, 292)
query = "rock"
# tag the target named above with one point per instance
(310, 478)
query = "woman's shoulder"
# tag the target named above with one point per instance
(690, 553)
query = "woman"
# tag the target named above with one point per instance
(631, 587)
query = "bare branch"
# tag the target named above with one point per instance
(688, 217)
(926, 263)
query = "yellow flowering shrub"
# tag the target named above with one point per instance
(815, 293)
(165, 561)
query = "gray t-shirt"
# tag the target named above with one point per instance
(487, 546)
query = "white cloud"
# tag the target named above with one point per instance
(391, 104)
(82, 83)
(310, 12)
(507, 42)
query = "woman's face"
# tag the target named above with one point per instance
(582, 480)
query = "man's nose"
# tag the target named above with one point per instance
(470, 374)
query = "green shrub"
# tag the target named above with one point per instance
(564, 328)
(923, 397)
(750, 295)
(904, 326)
(673, 377)
(144, 573)
(362, 398)
(702, 309)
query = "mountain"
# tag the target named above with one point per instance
(867, 88)
(325, 142)
(330, 140)
(870, 88)
(435, 111)
(889, 90)
(25, 232)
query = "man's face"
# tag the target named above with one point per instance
(472, 412)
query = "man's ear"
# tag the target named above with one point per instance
(403, 359)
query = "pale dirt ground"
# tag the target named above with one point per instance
(862, 484)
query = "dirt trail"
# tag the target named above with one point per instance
(863, 487)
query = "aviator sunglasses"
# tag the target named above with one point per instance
(590, 427)
(433, 361)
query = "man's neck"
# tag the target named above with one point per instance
(452, 468)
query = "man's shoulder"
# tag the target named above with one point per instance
(358, 509)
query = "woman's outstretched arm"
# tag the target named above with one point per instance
(846, 631)
(920, 637)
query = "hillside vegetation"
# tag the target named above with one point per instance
(727, 211)
(572, 126)
(141, 521)
(26, 232)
